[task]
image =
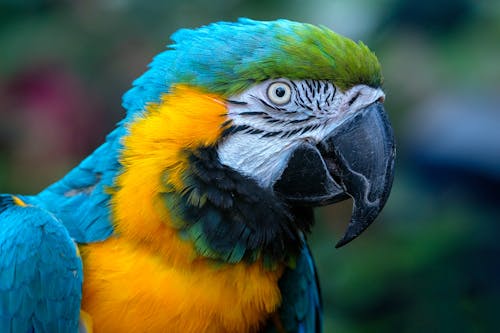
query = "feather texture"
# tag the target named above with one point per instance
(81, 198)
(40, 271)
(301, 307)
(172, 240)
(226, 58)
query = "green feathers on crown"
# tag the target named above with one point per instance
(319, 53)
(228, 57)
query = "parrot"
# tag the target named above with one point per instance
(193, 215)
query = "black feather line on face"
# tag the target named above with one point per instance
(234, 129)
(235, 219)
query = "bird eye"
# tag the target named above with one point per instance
(279, 93)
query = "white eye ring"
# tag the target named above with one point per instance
(279, 93)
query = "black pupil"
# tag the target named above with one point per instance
(280, 91)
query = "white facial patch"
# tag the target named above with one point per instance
(266, 133)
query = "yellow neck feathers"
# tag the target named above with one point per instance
(184, 119)
(146, 278)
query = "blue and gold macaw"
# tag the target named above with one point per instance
(192, 216)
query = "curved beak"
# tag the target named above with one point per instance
(355, 160)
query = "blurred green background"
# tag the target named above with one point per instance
(431, 261)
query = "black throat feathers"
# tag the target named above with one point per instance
(230, 218)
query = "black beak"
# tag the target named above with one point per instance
(356, 160)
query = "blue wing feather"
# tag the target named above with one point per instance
(80, 199)
(40, 271)
(301, 306)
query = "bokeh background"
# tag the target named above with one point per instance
(431, 263)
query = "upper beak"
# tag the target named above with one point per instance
(355, 160)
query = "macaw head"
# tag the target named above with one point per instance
(298, 111)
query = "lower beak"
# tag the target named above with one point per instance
(355, 160)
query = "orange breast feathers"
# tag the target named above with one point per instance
(146, 278)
